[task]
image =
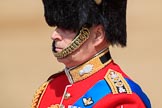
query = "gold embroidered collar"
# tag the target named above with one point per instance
(88, 68)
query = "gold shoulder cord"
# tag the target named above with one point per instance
(38, 95)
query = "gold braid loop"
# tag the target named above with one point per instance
(38, 94)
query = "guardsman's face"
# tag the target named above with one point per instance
(62, 38)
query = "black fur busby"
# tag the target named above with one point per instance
(74, 14)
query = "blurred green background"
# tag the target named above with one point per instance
(26, 59)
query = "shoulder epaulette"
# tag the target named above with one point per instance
(117, 82)
(38, 94)
(42, 88)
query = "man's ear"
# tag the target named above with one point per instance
(99, 35)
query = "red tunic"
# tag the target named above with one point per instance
(106, 87)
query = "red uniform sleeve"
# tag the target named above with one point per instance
(120, 101)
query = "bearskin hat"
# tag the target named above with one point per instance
(74, 14)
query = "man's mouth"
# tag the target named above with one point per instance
(56, 49)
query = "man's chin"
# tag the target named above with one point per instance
(65, 60)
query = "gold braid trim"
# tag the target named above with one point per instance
(76, 43)
(117, 82)
(38, 95)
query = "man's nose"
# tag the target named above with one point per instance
(56, 35)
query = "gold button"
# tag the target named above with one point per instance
(67, 95)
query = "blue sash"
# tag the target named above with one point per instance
(95, 93)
